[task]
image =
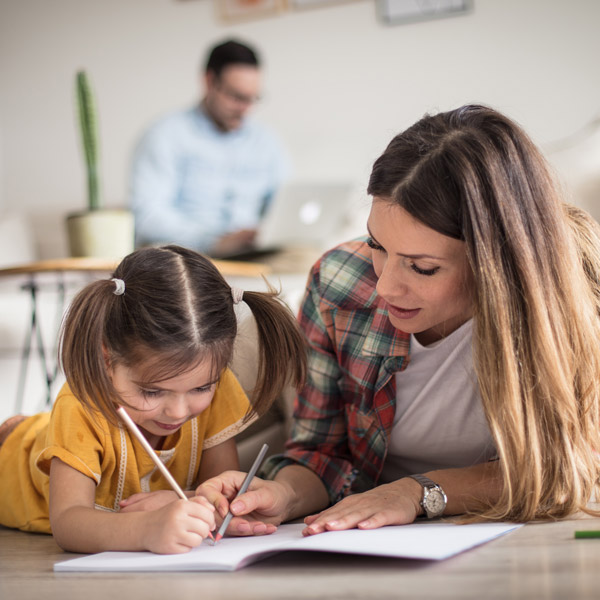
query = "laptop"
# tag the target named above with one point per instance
(305, 214)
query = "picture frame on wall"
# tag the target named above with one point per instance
(303, 4)
(397, 12)
(239, 10)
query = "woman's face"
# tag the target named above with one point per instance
(423, 276)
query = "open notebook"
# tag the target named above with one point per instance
(433, 541)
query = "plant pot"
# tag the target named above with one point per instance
(101, 233)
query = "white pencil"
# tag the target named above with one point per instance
(148, 448)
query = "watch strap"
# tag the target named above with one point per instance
(428, 485)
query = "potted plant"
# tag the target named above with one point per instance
(97, 231)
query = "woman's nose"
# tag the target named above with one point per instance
(390, 283)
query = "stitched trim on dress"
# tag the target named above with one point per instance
(164, 456)
(122, 468)
(228, 433)
(104, 508)
(193, 456)
(145, 481)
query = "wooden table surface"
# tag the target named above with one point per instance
(541, 561)
(226, 267)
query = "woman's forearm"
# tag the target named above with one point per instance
(306, 493)
(469, 488)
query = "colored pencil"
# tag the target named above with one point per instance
(251, 473)
(580, 535)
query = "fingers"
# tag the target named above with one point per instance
(219, 490)
(145, 501)
(245, 527)
(179, 526)
(260, 500)
(369, 510)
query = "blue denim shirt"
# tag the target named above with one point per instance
(191, 183)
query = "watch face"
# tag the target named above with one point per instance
(435, 502)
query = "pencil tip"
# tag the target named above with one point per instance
(219, 536)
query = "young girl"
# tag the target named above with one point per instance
(156, 339)
(454, 353)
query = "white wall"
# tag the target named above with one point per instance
(339, 84)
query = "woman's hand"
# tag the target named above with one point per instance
(145, 501)
(179, 526)
(396, 503)
(256, 512)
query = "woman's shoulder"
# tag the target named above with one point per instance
(344, 275)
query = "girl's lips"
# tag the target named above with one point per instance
(403, 313)
(167, 426)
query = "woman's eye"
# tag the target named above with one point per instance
(373, 244)
(427, 272)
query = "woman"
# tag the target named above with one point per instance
(459, 344)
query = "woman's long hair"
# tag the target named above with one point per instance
(474, 175)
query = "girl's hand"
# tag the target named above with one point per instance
(396, 503)
(179, 526)
(256, 512)
(145, 501)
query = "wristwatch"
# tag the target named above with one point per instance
(434, 499)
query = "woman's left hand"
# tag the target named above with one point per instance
(146, 501)
(396, 503)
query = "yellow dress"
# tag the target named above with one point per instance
(109, 455)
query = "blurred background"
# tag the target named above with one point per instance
(339, 82)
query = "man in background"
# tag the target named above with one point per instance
(203, 177)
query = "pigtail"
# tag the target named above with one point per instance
(282, 348)
(81, 348)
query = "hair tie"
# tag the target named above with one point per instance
(119, 286)
(237, 294)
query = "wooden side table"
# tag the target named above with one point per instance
(57, 268)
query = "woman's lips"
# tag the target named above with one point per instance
(403, 313)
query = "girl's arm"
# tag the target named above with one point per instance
(217, 459)
(78, 527)
(213, 462)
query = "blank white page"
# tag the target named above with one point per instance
(426, 540)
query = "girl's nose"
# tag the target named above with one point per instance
(177, 407)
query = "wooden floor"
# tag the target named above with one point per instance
(541, 561)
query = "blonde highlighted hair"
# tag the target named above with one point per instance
(474, 175)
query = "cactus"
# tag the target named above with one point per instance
(89, 137)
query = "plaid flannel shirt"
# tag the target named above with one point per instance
(344, 415)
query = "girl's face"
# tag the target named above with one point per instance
(423, 276)
(160, 409)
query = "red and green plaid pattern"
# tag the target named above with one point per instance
(344, 414)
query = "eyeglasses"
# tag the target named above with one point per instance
(236, 96)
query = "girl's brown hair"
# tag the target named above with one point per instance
(474, 175)
(177, 311)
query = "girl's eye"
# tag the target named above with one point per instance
(373, 244)
(204, 389)
(427, 272)
(150, 393)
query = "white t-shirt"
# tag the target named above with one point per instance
(439, 421)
